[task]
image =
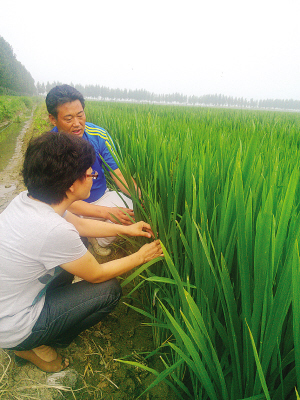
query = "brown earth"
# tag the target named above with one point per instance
(94, 372)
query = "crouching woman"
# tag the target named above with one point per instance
(41, 251)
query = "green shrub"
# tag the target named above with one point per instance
(12, 107)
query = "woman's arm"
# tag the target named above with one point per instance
(88, 268)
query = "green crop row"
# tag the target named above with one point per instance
(221, 189)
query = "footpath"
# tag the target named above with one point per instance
(10, 178)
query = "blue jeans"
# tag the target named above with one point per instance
(70, 309)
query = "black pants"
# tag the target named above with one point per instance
(70, 309)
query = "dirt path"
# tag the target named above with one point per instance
(94, 372)
(10, 178)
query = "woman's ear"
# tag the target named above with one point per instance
(71, 189)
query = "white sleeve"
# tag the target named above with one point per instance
(63, 245)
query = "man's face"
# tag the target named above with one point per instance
(70, 118)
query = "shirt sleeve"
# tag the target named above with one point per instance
(105, 153)
(63, 245)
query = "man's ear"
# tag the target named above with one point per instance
(52, 119)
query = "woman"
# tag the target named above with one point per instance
(41, 251)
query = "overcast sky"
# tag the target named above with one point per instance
(240, 48)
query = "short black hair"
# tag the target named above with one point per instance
(53, 162)
(60, 95)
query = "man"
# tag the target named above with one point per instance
(41, 251)
(65, 106)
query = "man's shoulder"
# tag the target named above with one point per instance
(96, 131)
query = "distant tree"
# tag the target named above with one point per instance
(41, 89)
(48, 86)
(106, 93)
(13, 75)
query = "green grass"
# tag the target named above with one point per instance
(12, 107)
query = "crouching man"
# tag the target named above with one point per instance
(41, 251)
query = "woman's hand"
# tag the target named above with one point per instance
(139, 229)
(150, 251)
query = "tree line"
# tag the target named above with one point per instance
(98, 92)
(14, 77)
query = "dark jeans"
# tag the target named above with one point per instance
(70, 309)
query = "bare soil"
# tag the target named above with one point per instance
(94, 372)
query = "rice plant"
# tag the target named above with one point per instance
(221, 189)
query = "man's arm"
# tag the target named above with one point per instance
(93, 228)
(85, 209)
(121, 183)
(88, 268)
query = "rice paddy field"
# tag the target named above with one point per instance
(221, 191)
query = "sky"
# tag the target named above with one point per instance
(238, 48)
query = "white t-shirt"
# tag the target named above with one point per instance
(34, 240)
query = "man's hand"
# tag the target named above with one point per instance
(117, 215)
(140, 229)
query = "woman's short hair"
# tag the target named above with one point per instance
(53, 162)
